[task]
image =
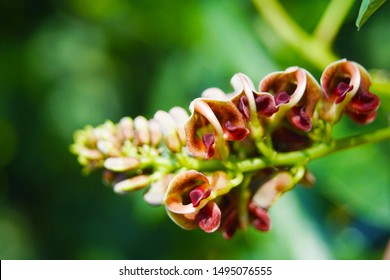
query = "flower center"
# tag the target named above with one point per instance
(265, 105)
(282, 98)
(340, 92)
(209, 140)
(198, 194)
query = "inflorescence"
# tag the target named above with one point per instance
(223, 166)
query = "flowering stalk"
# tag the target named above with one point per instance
(223, 166)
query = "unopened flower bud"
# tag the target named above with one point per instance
(120, 164)
(108, 148)
(142, 136)
(155, 133)
(181, 117)
(168, 128)
(132, 184)
(126, 128)
(105, 131)
(272, 189)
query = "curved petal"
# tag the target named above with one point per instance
(185, 221)
(195, 129)
(311, 96)
(291, 81)
(300, 116)
(208, 218)
(214, 93)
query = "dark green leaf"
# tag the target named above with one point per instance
(367, 8)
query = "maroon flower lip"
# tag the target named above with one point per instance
(363, 107)
(300, 119)
(261, 220)
(209, 217)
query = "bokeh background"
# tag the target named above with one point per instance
(68, 63)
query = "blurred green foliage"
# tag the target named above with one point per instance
(65, 64)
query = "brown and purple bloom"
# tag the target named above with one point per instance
(190, 196)
(211, 124)
(296, 94)
(346, 87)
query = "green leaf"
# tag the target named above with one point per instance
(367, 8)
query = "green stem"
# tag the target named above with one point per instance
(315, 152)
(244, 195)
(331, 20)
(353, 141)
(290, 158)
(313, 50)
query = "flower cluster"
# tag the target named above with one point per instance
(220, 167)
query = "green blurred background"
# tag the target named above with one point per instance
(68, 63)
